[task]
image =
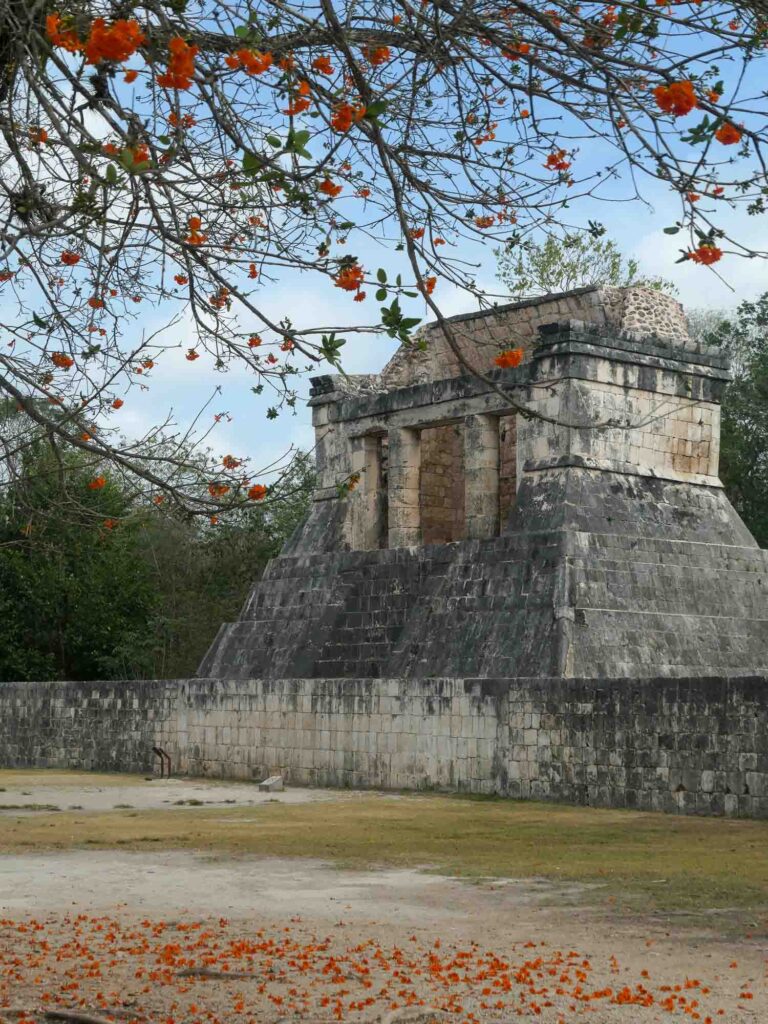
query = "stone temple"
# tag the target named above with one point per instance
(537, 588)
(591, 538)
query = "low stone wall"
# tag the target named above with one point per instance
(681, 745)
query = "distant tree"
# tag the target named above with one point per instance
(203, 572)
(96, 584)
(75, 595)
(529, 268)
(744, 439)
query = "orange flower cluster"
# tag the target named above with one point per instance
(350, 279)
(252, 62)
(677, 99)
(185, 121)
(220, 299)
(230, 462)
(66, 38)
(556, 161)
(97, 483)
(298, 104)
(706, 255)
(254, 341)
(345, 115)
(195, 237)
(118, 403)
(62, 360)
(485, 221)
(69, 258)
(191, 355)
(115, 42)
(328, 188)
(378, 55)
(728, 134)
(181, 65)
(323, 65)
(510, 357)
(429, 285)
(512, 53)
(257, 492)
(181, 279)
(218, 490)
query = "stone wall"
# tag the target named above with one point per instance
(635, 310)
(441, 491)
(660, 419)
(682, 745)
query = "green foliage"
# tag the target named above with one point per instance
(744, 439)
(74, 596)
(203, 574)
(94, 587)
(530, 268)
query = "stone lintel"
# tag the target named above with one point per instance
(557, 357)
(564, 331)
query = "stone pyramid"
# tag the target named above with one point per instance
(563, 519)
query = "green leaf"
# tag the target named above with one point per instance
(374, 109)
(381, 275)
(252, 163)
(274, 141)
(381, 294)
(111, 174)
(297, 142)
(243, 31)
(671, 231)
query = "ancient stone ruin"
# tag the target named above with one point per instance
(537, 588)
(567, 521)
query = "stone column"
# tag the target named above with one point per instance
(403, 474)
(481, 477)
(366, 501)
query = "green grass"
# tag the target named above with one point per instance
(644, 860)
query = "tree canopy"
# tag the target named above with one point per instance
(743, 333)
(95, 585)
(183, 156)
(530, 268)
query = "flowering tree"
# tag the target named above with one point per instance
(185, 155)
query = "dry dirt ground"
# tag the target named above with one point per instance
(186, 936)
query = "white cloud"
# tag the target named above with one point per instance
(698, 286)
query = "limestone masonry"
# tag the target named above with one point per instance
(591, 539)
(536, 587)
